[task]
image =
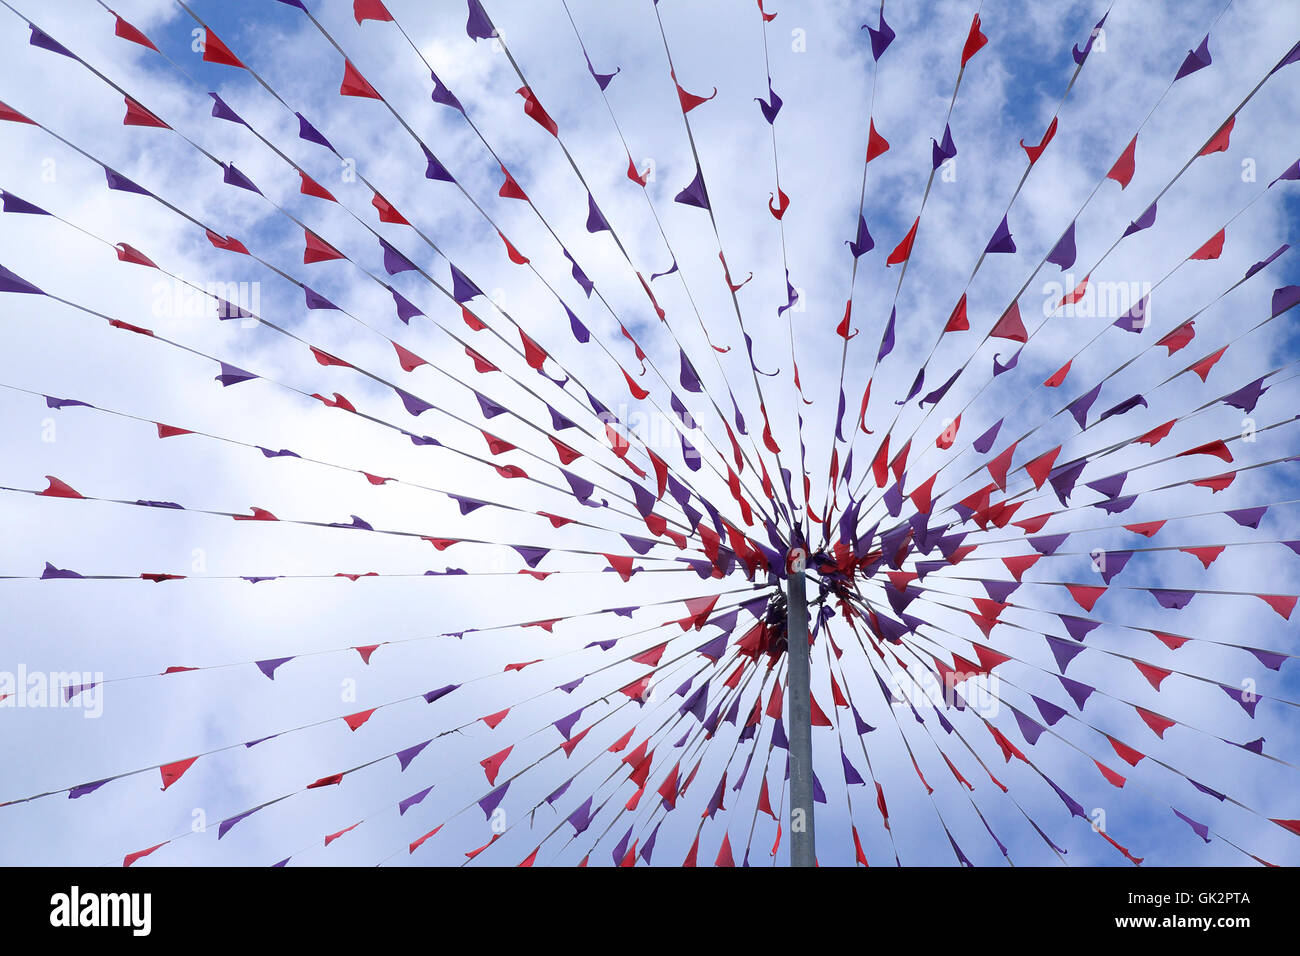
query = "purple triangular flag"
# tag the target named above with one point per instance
(1063, 253)
(1001, 241)
(1062, 651)
(479, 26)
(694, 194)
(1197, 59)
(268, 667)
(412, 800)
(880, 37)
(1144, 221)
(443, 95)
(221, 111)
(405, 309)
(310, 133)
(596, 221)
(230, 375)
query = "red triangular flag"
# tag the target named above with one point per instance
(1035, 151)
(510, 189)
(1153, 674)
(1070, 298)
(128, 32)
(492, 765)
(876, 144)
(354, 84)
(1126, 753)
(214, 51)
(137, 115)
(58, 489)
(174, 771)
(310, 187)
(1010, 326)
(690, 100)
(1202, 368)
(534, 109)
(1058, 376)
(974, 41)
(356, 720)
(1110, 775)
(1122, 171)
(1212, 249)
(1155, 721)
(139, 854)
(904, 249)
(387, 213)
(999, 465)
(1219, 141)
(373, 10)
(408, 359)
(1039, 468)
(317, 249)
(957, 322)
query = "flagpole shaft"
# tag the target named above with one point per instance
(803, 851)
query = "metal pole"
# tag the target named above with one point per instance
(803, 850)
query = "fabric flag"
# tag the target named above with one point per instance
(214, 51)
(1144, 221)
(354, 84)
(887, 338)
(876, 144)
(12, 283)
(534, 109)
(395, 261)
(511, 189)
(975, 41)
(309, 133)
(603, 80)
(220, 110)
(881, 37)
(317, 249)
(230, 375)
(1135, 319)
(903, 250)
(691, 100)
(444, 96)
(463, 290)
(137, 115)
(1063, 253)
(596, 221)
(127, 32)
(370, 10)
(772, 106)
(1033, 152)
(478, 26)
(1010, 326)
(405, 309)
(1219, 141)
(1197, 59)
(943, 151)
(1122, 171)
(1212, 248)
(862, 243)
(1001, 241)
(694, 194)
(1081, 55)
(434, 168)
(234, 177)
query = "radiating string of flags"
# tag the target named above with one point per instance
(896, 573)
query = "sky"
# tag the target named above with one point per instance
(819, 61)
